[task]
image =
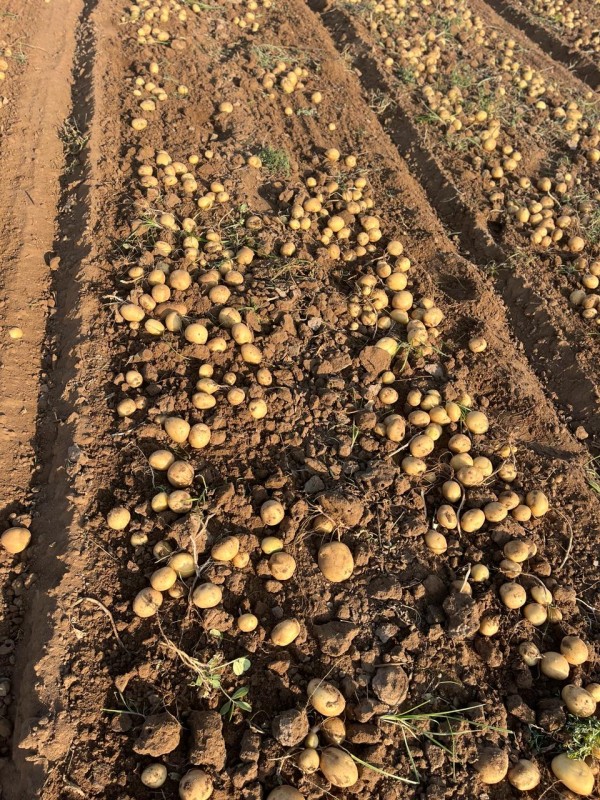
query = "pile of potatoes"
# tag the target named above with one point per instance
(576, 22)
(249, 21)
(156, 16)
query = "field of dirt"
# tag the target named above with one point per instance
(300, 376)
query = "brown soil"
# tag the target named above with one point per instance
(93, 694)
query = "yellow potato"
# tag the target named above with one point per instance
(285, 632)
(207, 595)
(147, 602)
(286, 792)
(555, 666)
(578, 701)
(180, 474)
(524, 775)
(225, 550)
(513, 595)
(574, 649)
(335, 561)
(272, 512)
(338, 767)
(537, 502)
(163, 579)
(325, 698)
(476, 422)
(195, 785)
(574, 774)
(199, 436)
(247, 622)
(178, 429)
(282, 566)
(15, 540)
(118, 518)
(161, 460)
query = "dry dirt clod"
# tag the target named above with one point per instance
(160, 734)
(207, 746)
(390, 685)
(290, 727)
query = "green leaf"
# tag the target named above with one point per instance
(214, 681)
(215, 633)
(244, 706)
(225, 708)
(240, 665)
(241, 692)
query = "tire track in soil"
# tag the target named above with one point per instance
(552, 45)
(42, 731)
(568, 387)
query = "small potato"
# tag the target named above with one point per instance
(492, 765)
(282, 566)
(180, 474)
(225, 550)
(477, 344)
(513, 595)
(271, 544)
(161, 460)
(207, 595)
(509, 499)
(308, 761)
(489, 625)
(286, 792)
(476, 422)
(413, 466)
(178, 429)
(479, 573)
(574, 649)
(199, 436)
(510, 568)
(180, 501)
(163, 579)
(421, 446)
(285, 632)
(446, 516)
(537, 502)
(472, 520)
(517, 550)
(247, 623)
(495, 512)
(272, 512)
(147, 602)
(196, 333)
(154, 776)
(335, 561)
(521, 513)
(258, 409)
(459, 443)
(195, 785)
(338, 767)
(524, 775)
(436, 542)
(594, 690)
(470, 476)
(461, 460)
(16, 539)
(251, 354)
(160, 502)
(183, 563)
(578, 701)
(555, 666)
(535, 613)
(574, 774)
(452, 491)
(530, 653)
(118, 518)
(334, 730)
(126, 407)
(541, 595)
(325, 698)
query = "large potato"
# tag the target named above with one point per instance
(338, 767)
(336, 561)
(15, 540)
(325, 698)
(524, 776)
(207, 595)
(285, 632)
(195, 785)
(574, 773)
(272, 512)
(492, 764)
(147, 602)
(578, 701)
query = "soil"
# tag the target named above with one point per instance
(93, 694)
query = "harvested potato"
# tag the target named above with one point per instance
(578, 700)
(492, 764)
(325, 698)
(334, 730)
(207, 595)
(163, 579)
(161, 460)
(247, 622)
(180, 474)
(524, 775)
(226, 549)
(285, 792)
(307, 760)
(15, 540)
(530, 653)
(513, 595)
(118, 518)
(282, 565)
(178, 429)
(199, 436)
(476, 422)
(436, 542)
(555, 666)
(147, 602)
(183, 563)
(285, 632)
(335, 561)
(272, 512)
(154, 775)
(574, 649)
(195, 785)
(537, 502)
(574, 774)
(338, 767)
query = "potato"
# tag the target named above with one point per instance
(285, 632)
(118, 518)
(226, 549)
(258, 409)
(325, 698)
(335, 561)
(421, 446)
(180, 501)
(285, 792)
(180, 474)
(574, 649)
(161, 460)
(308, 760)
(196, 333)
(15, 540)
(541, 595)
(517, 550)
(282, 566)
(513, 595)
(160, 502)
(247, 622)
(334, 730)
(272, 512)
(154, 775)
(163, 579)
(183, 563)
(195, 785)
(461, 460)
(476, 422)
(535, 613)
(178, 429)
(578, 701)
(489, 625)
(574, 774)
(338, 767)
(555, 666)
(495, 512)
(451, 491)
(251, 354)
(472, 520)
(207, 595)
(470, 476)
(413, 466)
(199, 436)
(524, 775)
(459, 443)
(593, 689)
(436, 542)
(510, 568)
(492, 765)
(509, 499)
(530, 653)
(446, 516)
(126, 407)
(147, 602)
(537, 502)
(479, 573)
